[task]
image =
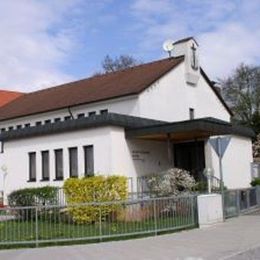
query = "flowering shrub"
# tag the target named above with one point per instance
(171, 182)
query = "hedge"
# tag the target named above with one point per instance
(94, 189)
(46, 195)
(255, 182)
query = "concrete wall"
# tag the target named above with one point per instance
(171, 97)
(236, 162)
(210, 210)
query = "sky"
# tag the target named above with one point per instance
(49, 42)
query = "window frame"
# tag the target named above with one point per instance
(44, 178)
(87, 172)
(58, 176)
(71, 171)
(31, 179)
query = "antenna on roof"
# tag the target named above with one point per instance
(168, 46)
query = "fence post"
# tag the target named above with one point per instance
(100, 224)
(238, 202)
(36, 227)
(248, 198)
(258, 195)
(155, 217)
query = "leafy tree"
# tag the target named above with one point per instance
(241, 91)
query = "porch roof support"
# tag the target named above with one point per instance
(170, 150)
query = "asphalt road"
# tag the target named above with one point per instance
(236, 239)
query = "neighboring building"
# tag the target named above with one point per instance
(134, 122)
(8, 96)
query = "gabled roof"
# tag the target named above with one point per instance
(127, 82)
(8, 96)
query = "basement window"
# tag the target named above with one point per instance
(27, 125)
(58, 119)
(19, 127)
(48, 121)
(66, 118)
(10, 128)
(2, 130)
(38, 123)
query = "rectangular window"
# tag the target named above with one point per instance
(192, 114)
(103, 111)
(93, 113)
(57, 119)
(89, 160)
(27, 125)
(32, 166)
(66, 118)
(38, 123)
(73, 161)
(45, 166)
(82, 115)
(10, 128)
(58, 164)
(2, 130)
(19, 127)
(48, 121)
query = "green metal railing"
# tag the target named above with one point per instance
(241, 201)
(56, 223)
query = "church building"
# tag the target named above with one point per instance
(135, 122)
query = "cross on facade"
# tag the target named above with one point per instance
(194, 64)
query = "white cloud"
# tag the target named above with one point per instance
(31, 51)
(228, 31)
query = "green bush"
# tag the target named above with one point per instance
(27, 197)
(94, 189)
(255, 182)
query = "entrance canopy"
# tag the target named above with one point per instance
(188, 130)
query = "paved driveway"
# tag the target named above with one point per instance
(237, 238)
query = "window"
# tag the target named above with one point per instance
(45, 166)
(48, 121)
(67, 118)
(32, 166)
(10, 128)
(57, 119)
(27, 125)
(89, 160)
(58, 164)
(19, 127)
(2, 130)
(73, 161)
(192, 116)
(103, 111)
(38, 123)
(93, 113)
(81, 115)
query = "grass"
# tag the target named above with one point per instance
(16, 231)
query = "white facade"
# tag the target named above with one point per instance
(170, 99)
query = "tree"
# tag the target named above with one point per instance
(118, 63)
(241, 91)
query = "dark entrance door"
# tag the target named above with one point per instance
(191, 157)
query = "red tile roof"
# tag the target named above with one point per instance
(8, 96)
(98, 88)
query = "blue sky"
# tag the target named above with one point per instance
(48, 42)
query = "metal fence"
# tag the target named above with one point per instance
(241, 201)
(95, 221)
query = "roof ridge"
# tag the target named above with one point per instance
(103, 75)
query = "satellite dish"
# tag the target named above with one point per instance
(168, 46)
